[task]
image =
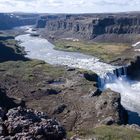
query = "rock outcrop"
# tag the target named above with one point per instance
(133, 70)
(90, 111)
(23, 123)
(109, 107)
(18, 122)
(10, 52)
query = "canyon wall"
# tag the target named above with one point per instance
(13, 20)
(133, 70)
(91, 26)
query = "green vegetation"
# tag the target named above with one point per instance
(108, 133)
(10, 50)
(26, 70)
(12, 43)
(106, 51)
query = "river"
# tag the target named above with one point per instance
(39, 48)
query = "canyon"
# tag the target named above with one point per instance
(70, 86)
(107, 74)
(123, 27)
(11, 20)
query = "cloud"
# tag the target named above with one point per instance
(112, 2)
(117, 2)
(69, 6)
(26, 0)
(7, 3)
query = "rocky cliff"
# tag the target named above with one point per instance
(13, 20)
(10, 50)
(91, 26)
(133, 70)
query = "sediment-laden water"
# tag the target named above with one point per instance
(39, 48)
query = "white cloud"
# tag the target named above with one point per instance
(69, 6)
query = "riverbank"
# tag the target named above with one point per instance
(107, 52)
(42, 49)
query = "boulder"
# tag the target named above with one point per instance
(23, 123)
(59, 109)
(97, 92)
(108, 121)
(91, 76)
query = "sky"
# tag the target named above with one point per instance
(69, 6)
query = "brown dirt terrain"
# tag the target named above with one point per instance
(68, 94)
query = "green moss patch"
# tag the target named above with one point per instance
(106, 51)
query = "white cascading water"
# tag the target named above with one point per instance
(129, 90)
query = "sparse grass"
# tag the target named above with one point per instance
(11, 43)
(105, 51)
(108, 133)
(25, 69)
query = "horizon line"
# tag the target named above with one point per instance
(73, 13)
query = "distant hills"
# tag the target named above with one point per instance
(10, 20)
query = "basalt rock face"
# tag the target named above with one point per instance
(7, 102)
(13, 20)
(133, 70)
(106, 106)
(8, 53)
(91, 26)
(92, 110)
(41, 23)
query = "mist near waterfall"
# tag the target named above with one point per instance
(130, 93)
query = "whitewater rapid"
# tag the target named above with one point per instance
(130, 92)
(39, 48)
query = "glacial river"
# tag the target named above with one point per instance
(39, 48)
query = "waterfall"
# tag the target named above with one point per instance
(111, 77)
(118, 81)
(120, 71)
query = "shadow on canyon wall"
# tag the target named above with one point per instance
(8, 54)
(133, 70)
(133, 118)
(7, 102)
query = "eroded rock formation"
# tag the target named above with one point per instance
(133, 70)
(22, 123)
(92, 26)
